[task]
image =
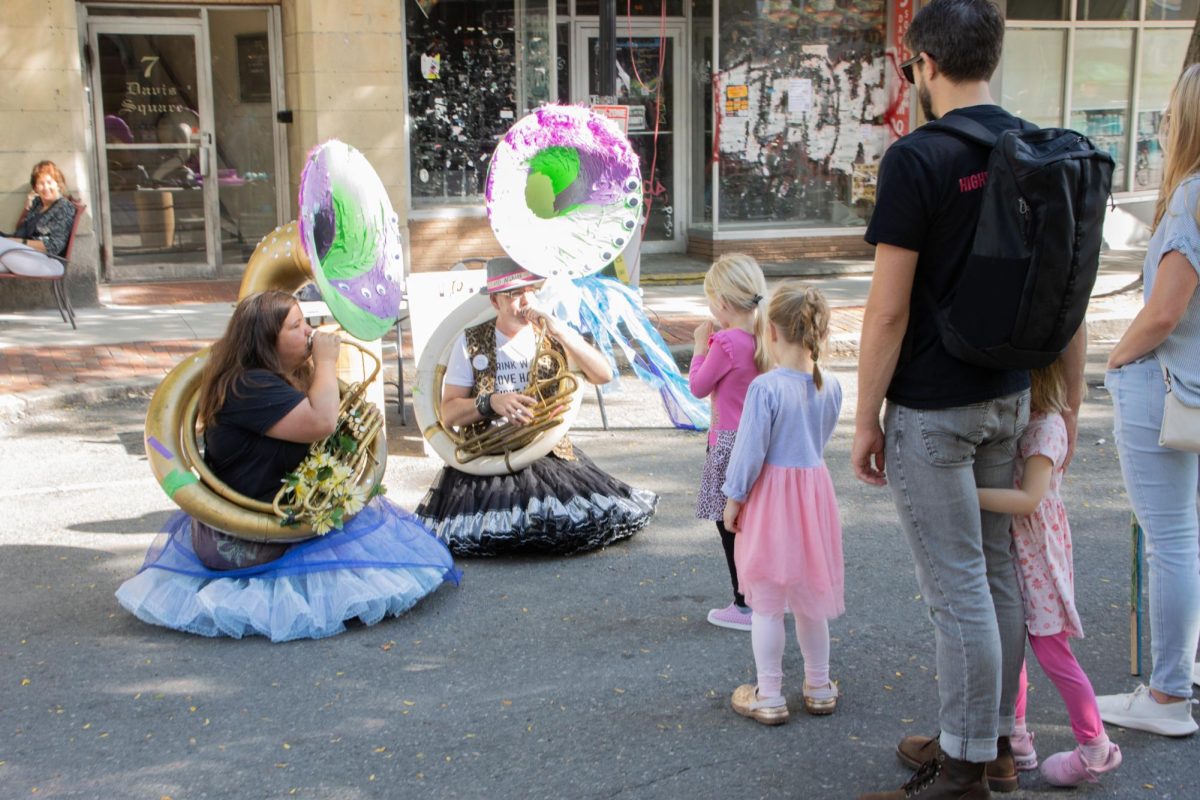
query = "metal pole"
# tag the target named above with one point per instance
(1137, 556)
(606, 62)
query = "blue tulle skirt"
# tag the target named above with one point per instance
(379, 565)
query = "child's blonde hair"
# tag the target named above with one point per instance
(736, 280)
(1048, 388)
(801, 315)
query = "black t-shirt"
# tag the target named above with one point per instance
(928, 199)
(237, 447)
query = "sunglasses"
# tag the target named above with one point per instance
(520, 290)
(906, 67)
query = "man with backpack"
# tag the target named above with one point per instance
(957, 389)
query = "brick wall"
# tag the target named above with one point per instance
(790, 249)
(436, 244)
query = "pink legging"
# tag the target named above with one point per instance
(768, 636)
(1059, 664)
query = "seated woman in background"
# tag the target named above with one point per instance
(266, 395)
(45, 230)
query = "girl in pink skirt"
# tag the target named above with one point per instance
(777, 472)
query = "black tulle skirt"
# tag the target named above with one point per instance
(552, 506)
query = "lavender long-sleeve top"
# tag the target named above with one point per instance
(786, 422)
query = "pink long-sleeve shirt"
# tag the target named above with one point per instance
(726, 373)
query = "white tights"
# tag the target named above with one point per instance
(768, 636)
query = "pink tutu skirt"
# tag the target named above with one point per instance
(791, 535)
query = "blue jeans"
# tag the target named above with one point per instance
(1162, 486)
(935, 461)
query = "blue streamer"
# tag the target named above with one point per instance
(611, 313)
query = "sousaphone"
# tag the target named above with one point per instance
(564, 197)
(346, 240)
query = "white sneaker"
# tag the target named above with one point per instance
(1140, 711)
(1196, 673)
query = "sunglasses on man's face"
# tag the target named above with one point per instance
(906, 67)
(520, 290)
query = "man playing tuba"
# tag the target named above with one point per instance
(562, 502)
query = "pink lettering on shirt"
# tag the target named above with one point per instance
(972, 182)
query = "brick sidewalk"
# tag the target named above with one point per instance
(25, 369)
(677, 330)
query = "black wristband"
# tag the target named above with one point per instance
(483, 404)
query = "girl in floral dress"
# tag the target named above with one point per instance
(1042, 543)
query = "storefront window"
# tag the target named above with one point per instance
(1162, 53)
(1032, 74)
(1100, 92)
(1038, 9)
(801, 118)
(1106, 9)
(1151, 34)
(564, 61)
(1172, 9)
(700, 76)
(473, 70)
(634, 8)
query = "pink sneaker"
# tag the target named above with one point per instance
(1022, 749)
(1069, 769)
(730, 617)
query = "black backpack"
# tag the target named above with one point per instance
(1025, 287)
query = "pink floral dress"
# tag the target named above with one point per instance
(1042, 540)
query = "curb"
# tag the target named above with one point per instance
(15, 406)
(771, 271)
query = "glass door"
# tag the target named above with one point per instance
(192, 158)
(154, 135)
(649, 58)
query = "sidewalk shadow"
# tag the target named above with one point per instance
(152, 522)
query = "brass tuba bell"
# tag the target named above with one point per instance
(349, 231)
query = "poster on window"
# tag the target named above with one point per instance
(863, 178)
(737, 100)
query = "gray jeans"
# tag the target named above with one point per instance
(965, 570)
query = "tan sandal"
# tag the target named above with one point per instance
(821, 702)
(768, 711)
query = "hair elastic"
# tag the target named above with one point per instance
(756, 299)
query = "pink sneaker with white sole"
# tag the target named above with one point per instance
(1069, 769)
(730, 617)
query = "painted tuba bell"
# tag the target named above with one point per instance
(564, 198)
(347, 241)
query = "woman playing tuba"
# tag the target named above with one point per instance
(275, 429)
(562, 502)
(268, 392)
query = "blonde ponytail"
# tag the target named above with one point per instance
(801, 315)
(737, 280)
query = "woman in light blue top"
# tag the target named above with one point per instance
(1162, 483)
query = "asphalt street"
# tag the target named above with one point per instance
(588, 677)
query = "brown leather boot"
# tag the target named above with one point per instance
(913, 751)
(940, 778)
